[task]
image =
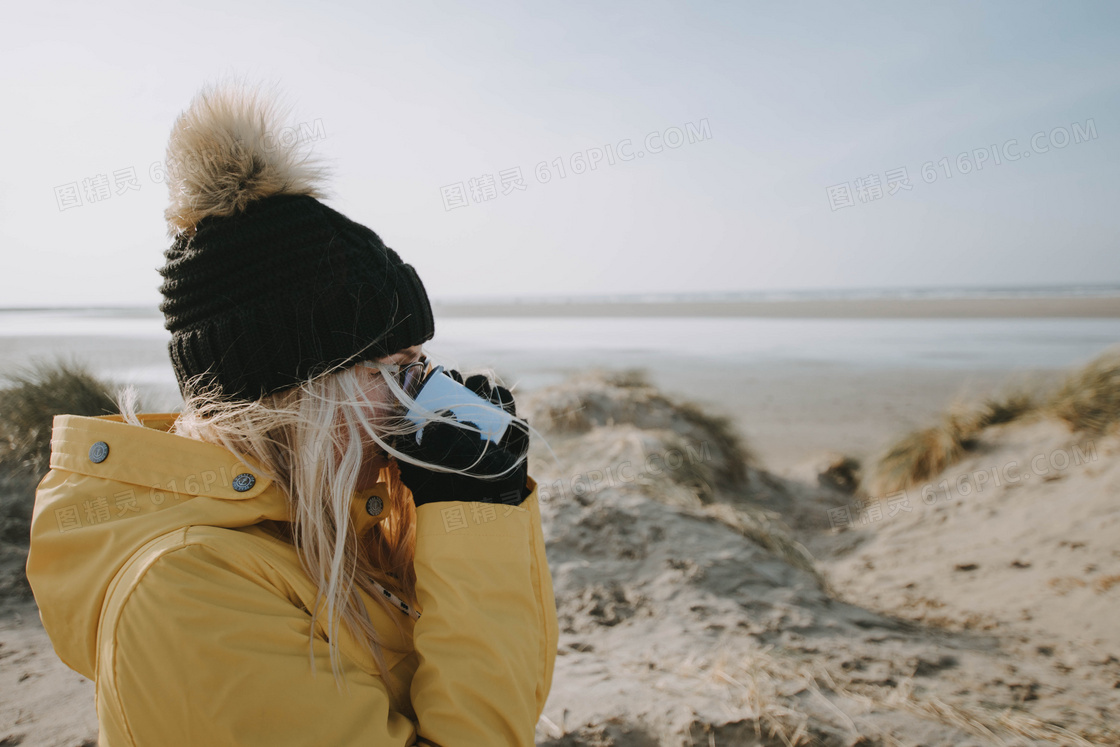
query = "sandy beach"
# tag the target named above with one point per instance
(870, 308)
(711, 617)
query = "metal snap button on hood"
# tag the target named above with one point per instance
(99, 452)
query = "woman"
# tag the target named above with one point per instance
(290, 560)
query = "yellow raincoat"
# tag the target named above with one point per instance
(156, 578)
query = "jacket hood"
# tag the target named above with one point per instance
(113, 487)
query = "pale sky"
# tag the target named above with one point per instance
(785, 100)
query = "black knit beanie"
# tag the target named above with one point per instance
(264, 285)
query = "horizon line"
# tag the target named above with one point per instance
(715, 297)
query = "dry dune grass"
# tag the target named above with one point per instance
(29, 403)
(758, 683)
(995, 725)
(1018, 404)
(767, 529)
(926, 452)
(1087, 401)
(766, 685)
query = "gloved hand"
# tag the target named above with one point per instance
(451, 446)
(516, 438)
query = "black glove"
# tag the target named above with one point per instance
(451, 446)
(516, 437)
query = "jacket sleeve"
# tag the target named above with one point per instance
(205, 654)
(486, 638)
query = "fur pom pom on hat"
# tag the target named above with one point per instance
(264, 285)
(226, 151)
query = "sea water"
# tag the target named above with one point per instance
(130, 345)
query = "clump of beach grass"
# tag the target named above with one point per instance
(1014, 406)
(1088, 400)
(928, 451)
(30, 399)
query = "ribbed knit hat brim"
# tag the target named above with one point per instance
(287, 289)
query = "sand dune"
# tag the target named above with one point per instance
(689, 616)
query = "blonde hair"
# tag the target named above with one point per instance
(312, 441)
